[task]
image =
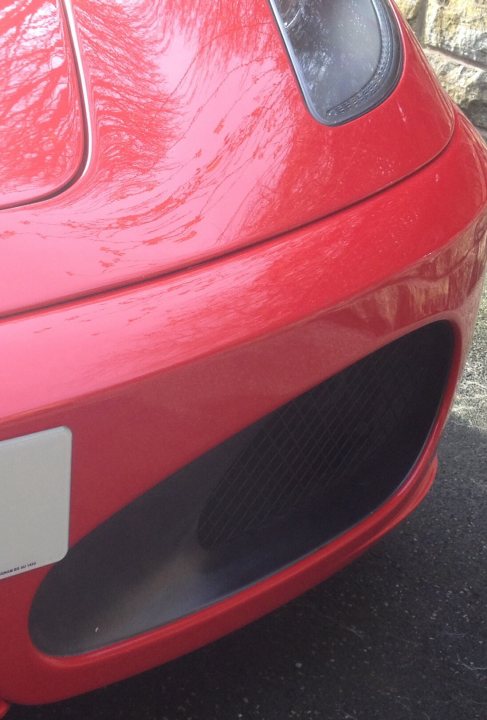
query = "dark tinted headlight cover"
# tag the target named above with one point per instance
(346, 53)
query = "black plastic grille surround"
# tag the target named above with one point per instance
(261, 500)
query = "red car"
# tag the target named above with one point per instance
(242, 249)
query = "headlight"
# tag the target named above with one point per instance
(346, 53)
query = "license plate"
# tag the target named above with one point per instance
(35, 481)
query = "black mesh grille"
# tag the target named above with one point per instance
(322, 438)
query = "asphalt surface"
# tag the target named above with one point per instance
(401, 634)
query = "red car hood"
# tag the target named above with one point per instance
(40, 109)
(197, 142)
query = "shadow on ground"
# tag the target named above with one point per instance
(400, 634)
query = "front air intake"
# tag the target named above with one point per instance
(266, 497)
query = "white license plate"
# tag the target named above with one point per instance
(35, 481)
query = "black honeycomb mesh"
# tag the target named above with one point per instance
(323, 438)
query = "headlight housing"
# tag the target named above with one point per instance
(346, 53)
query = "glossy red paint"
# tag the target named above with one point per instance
(198, 143)
(231, 340)
(40, 108)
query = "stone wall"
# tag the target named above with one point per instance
(454, 34)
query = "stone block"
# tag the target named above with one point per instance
(466, 83)
(459, 27)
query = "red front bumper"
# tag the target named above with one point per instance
(150, 377)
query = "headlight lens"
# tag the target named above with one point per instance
(346, 53)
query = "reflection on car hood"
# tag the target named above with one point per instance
(40, 109)
(200, 144)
